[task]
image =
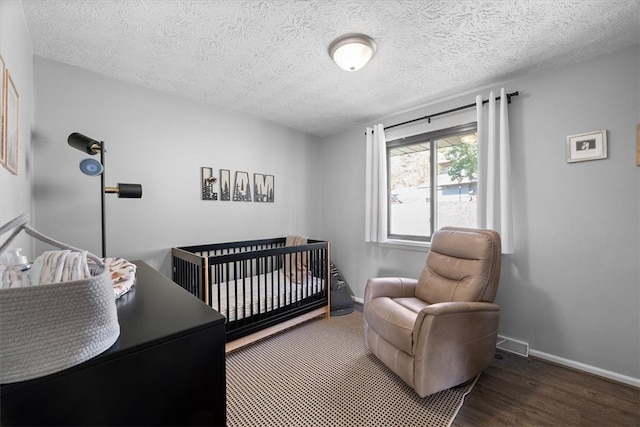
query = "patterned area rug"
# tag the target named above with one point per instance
(320, 374)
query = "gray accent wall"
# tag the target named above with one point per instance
(161, 141)
(572, 287)
(15, 47)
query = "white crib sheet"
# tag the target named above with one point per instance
(261, 294)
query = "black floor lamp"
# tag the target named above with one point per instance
(92, 167)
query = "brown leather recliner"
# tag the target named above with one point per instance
(441, 330)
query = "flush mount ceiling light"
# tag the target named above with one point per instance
(352, 51)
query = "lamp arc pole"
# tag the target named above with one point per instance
(102, 201)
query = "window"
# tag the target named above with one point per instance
(432, 182)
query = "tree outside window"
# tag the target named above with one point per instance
(428, 191)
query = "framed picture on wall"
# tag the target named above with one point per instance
(3, 111)
(208, 184)
(587, 146)
(241, 187)
(225, 185)
(263, 188)
(11, 125)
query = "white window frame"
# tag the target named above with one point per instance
(412, 241)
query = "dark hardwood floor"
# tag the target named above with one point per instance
(515, 391)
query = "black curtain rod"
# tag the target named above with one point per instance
(453, 110)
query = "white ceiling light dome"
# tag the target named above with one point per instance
(352, 51)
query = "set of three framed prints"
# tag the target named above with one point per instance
(9, 100)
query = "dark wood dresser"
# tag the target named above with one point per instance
(167, 368)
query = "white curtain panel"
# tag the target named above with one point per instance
(376, 185)
(494, 171)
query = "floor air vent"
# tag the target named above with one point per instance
(510, 345)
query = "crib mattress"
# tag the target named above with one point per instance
(261, 294)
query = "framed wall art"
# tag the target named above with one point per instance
(263, 188)
(11, 125)
(242, 187)
(208, 184)
(3, 111)
(225, 185)
(587, 146)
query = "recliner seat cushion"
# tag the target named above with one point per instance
(393, 319)
(412, 303)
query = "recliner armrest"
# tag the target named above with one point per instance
(393, 287)
(453, 323)
(459, 307)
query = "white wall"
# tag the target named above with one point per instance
(572, 288)
(15, 48)
(161, 141)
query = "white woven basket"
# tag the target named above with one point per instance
(48, 328)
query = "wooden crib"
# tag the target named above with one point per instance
(260, 286)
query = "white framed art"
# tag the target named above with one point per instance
(587, 146)
(11, 120)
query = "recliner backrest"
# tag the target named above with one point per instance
(462, 265)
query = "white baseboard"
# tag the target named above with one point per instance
(519, 348)
(356, 299)
(635, 382)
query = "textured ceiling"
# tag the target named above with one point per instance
(269, 58)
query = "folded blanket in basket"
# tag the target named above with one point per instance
(66, 266)
(59, 266)
(48, 328)
(50, 267)
(13, 278)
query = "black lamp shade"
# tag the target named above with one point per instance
(129, 191)
(84, 143)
